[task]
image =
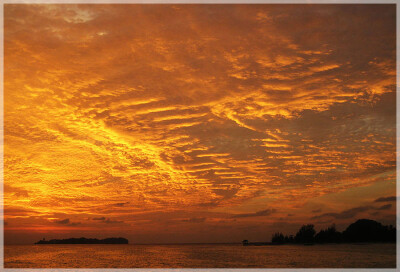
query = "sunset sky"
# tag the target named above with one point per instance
(197, 123)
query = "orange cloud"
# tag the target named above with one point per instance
(202, 112)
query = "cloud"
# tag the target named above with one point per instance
(107, 220)
(386, 199)
(226, 193)
(385, 207)
(66, 222)
(253, 104)
(18, 211)
(351, 213)
(121, 204)
(195, 220)
(18, 192)
(62, 221)
(255, 214)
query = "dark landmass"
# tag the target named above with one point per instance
(247, 243)
(361, 231)
(83, 240)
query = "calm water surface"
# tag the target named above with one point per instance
(200, 256)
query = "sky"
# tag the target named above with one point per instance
(197, 123)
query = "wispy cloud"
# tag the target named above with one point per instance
(386, 199)
(351, 213)
(255, 214)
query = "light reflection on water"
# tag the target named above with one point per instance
(200, 256)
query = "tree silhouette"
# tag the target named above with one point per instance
(289, 239)
(365, 230)
(329, 235)
(278, 238)
(305, 234)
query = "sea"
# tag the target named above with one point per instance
(201, 256)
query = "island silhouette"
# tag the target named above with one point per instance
(361, 231)
(84, 240)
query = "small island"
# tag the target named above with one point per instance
(83, 240)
